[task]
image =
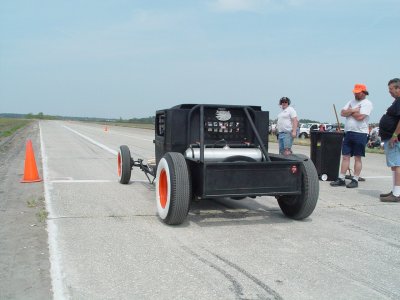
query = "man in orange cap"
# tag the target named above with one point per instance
(357, 113)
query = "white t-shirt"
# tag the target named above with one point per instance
(285, 119)
(365, 109)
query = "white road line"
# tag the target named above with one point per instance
(92, 141)
(376, 177)
(81, 181)
(57, 279)
(90, 181)
(59, 290)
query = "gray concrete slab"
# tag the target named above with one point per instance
(108, 242)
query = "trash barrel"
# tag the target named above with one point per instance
(326, 149)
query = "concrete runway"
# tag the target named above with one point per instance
(106, 241)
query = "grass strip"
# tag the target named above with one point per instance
(9, 126)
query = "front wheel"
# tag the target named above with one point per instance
(301, 206)
(173, 188)
(303, 135)
(124, 164)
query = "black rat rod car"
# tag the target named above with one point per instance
(214, 151)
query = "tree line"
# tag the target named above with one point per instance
(42, 116)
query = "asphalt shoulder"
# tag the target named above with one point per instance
(24, 255)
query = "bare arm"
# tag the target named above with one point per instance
(397, 130)
(349, 111)
(295, 123)
(394, 138)
(358, 116)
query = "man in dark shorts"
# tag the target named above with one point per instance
(357, 113)
(389, 130)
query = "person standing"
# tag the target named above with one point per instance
(286, 126)
(374, 139)
(357, 113)
(389, 130)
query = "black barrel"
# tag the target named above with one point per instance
(326, 152)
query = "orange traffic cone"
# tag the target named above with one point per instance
(30, 172)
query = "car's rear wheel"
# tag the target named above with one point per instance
(301, 206)
(124, 164)
(173, 188)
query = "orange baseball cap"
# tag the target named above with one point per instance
(358, 88)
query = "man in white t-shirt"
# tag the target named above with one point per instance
(286, 126)
(357, 113)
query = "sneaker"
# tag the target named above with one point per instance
(353, 184)
(385, 195)
(351, 177)
(390, 198)
(338, 182)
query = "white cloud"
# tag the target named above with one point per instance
(239, 5)
(152, 20)
(261, 5)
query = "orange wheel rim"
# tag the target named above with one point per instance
(163, 188)
(119, 164)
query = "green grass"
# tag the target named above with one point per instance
(31, 203)
(42, 215)
(374, 150)
(39, 205)
(9, 126)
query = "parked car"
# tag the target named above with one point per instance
(306, 128)
(272, 128)
(325, 126)
(334, 128)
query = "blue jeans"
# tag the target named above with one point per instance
(392, 154)
(285, 141)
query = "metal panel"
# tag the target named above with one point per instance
(267, 178)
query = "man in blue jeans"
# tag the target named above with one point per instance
(286, 126)
(357, 113)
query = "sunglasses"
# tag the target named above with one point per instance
(284, 101)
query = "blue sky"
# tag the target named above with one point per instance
(126, 58)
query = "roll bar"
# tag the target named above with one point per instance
(246, 109)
